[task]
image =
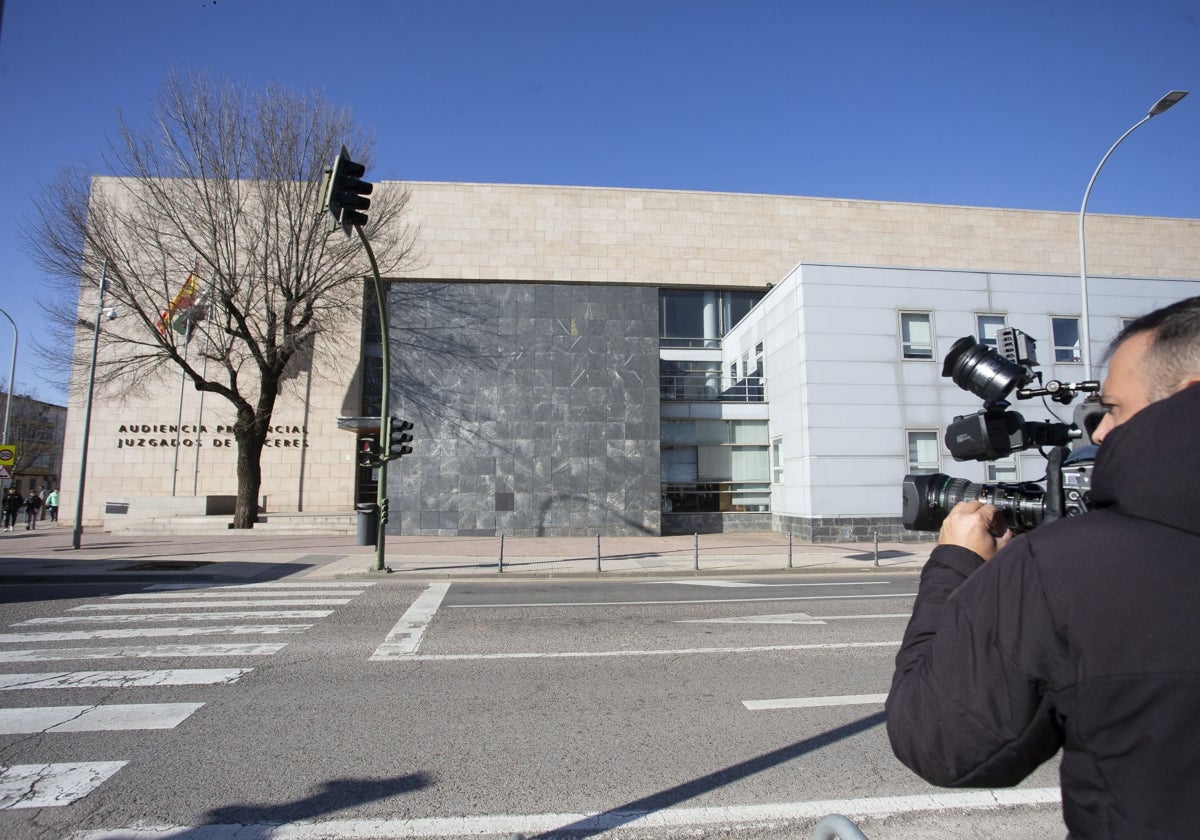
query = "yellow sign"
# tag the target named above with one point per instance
(8, 454)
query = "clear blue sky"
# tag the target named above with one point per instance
(997, 104)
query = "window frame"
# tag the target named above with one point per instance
(1075, 350)
(915, 467)
(907, 345)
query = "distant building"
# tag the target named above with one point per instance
(38, 430)
(615, 361)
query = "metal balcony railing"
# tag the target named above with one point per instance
(702, 386)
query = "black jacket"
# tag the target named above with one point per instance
(1084, 635)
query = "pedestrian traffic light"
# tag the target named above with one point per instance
(399, 438)
(383, 510)
(368, 452)
(346, 193)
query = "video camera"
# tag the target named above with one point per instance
(995, 432)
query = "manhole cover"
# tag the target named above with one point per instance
(163, 566)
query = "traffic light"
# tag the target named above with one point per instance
(346, 193)
(368, 452)
(398, 438)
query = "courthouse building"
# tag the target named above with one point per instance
(581, 361)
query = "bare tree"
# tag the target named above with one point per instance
(223, 181)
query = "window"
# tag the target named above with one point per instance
(700, 318)
(1003, 469)
(922, 452)
(715, 465)
(777, 460)
(1065, 332)
(916, 335)
(986, 327)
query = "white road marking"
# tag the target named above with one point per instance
(593, 822)
(738, 583)
(95, 718)
(815, 702)
(141, 632)
(787, 618)
(168, 587)
(184, 597)
(299, 602)
(679, 603)
(147, 617)
(123, 679)
(136, 651)
(48, 785)
(404, 639)
(462, 657)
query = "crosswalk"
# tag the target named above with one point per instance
(163, 621)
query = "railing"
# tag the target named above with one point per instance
(711, 386)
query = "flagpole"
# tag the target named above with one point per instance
(187, 335)
(77, 534)
(200, 416)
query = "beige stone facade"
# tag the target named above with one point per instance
(521, 233)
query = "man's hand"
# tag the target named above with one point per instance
(975, 526)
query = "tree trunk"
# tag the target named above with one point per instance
(249, 472)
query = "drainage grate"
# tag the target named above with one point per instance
(163, 566)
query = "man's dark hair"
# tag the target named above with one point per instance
(1174, 353)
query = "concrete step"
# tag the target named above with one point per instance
(293, 524)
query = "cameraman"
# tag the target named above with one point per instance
(1083, 634)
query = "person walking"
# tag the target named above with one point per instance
(11, 504)
(33, 504)
(52, 505)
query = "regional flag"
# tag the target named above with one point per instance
(182, 302)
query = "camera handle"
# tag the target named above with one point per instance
(1055, 505)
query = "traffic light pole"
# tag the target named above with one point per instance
(384, 409)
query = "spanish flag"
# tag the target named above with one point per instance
(181, 304)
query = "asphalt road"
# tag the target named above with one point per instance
(380, 708)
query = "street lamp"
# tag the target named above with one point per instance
(1084, 338)
(101, 314)
(12, 373)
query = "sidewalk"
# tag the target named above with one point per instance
(47, 555)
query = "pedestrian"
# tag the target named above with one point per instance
(1080, 634)
(33, 504)
(11, 505)
(52, 505)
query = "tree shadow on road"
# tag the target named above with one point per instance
(334, 795)
(638, 808)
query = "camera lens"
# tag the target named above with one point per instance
(927, 499)
(982, 371)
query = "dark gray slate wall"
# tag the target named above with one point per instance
(535, 407)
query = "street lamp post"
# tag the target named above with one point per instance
(12, 373)
(87, 412)
(1084, 336)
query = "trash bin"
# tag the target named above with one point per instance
(368, 522)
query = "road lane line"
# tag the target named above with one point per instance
(787, 618)
(105, 718)
(404, 639)
(123, 679)
(299, 602)
(139, 651)
(600, 654)
(736, 584)
(49, 785)
(593, 822)
(168, 587)
(142, 632)
(184, 597)
(680, 603)
(146, 617)
(815, 702)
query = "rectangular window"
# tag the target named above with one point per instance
(1066, 339)
(715, 465)
(986, 327)
(916, 335)
(777, 460)
(1004, 469)
(922, 452)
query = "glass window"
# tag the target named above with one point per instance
(1004, 469)
(700, 317)
(916, 335)
(777, 460)
(986, 327)
(1066, 339)
(922, 452)
(715, 465)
